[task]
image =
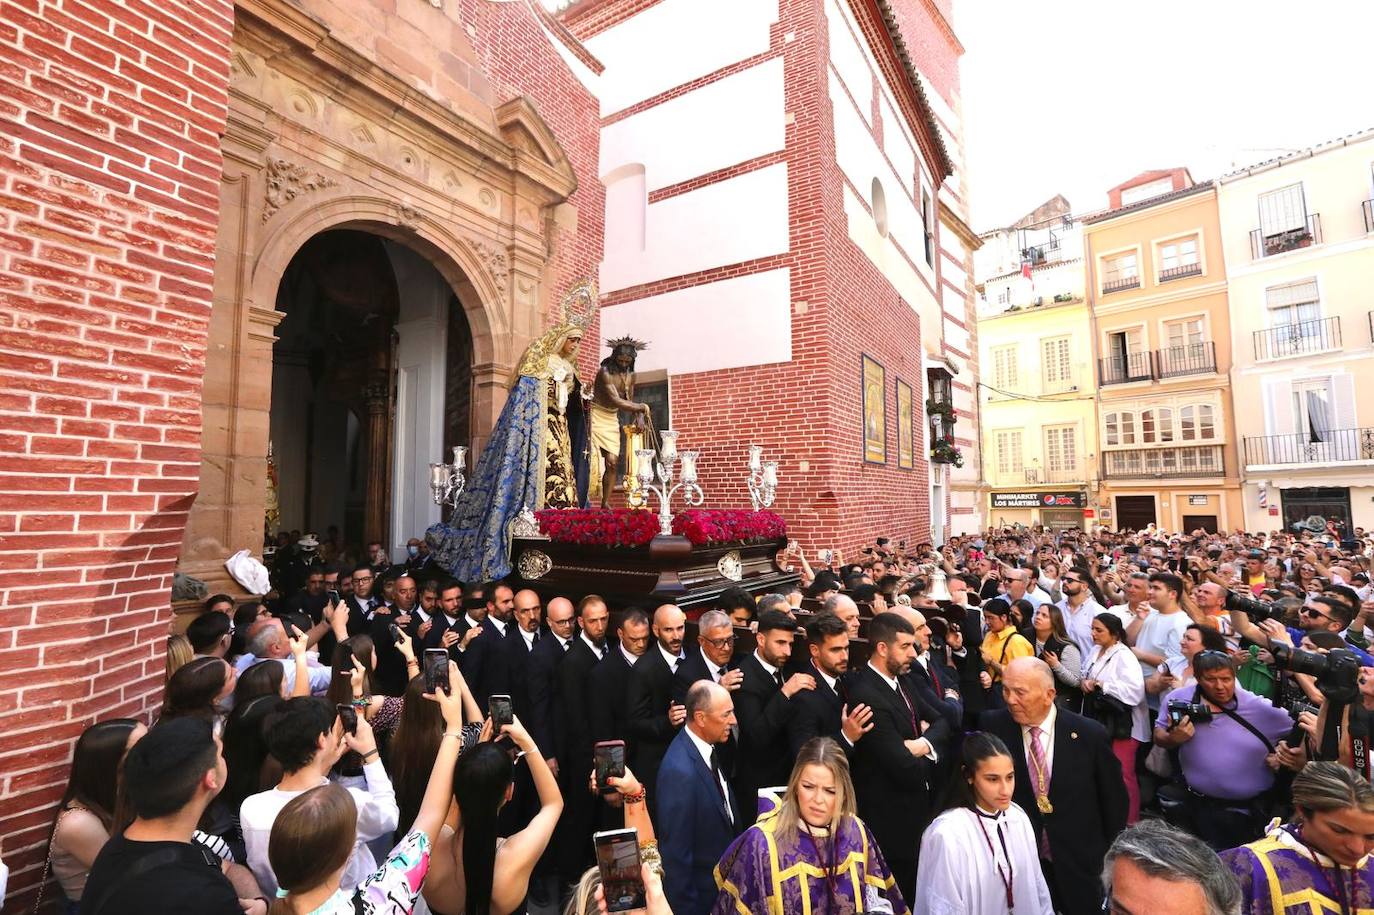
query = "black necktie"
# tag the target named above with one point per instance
(777, 678)
(567, 645)
(911, 709)
(934, 678)
(535, 640)
(721, 675)
(720, 786)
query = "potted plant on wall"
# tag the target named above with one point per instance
(944, 451)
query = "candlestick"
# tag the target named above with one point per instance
(770, 473)
(667, 448)
(755, 457)
(689, 466)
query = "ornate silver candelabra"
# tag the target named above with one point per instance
(762, 479)
(446, 481)
(655, 474)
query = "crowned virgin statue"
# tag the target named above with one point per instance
(536, 456)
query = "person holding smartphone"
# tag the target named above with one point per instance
(472, 870)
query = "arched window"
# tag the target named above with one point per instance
(1166, 424)
(1147, 426)
(1187, 420)
(1128, 428)
(1112, 428)
(1206, 428)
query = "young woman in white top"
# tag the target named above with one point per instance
(1111, 669)
(979, 856)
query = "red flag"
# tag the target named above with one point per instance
(1025, 269)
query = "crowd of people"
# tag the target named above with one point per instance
(1023, 720)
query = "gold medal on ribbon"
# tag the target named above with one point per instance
(1043, 802)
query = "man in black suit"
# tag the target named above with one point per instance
(1067, 780)
(654, 717)
(824, 711)
(608, 711)
(570, 702)
(929, 678)
(362, 602)
(764, 707)
(391, 666)
(893, 763)
(711, 659)
(482, 659)
(447, 611)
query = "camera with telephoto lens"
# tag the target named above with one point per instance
(1195, 712)
(1337, 672)
(1257, 610)
(1295, 708)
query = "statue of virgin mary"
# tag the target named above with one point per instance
(536, 456)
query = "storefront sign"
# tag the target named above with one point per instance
(1038, 500)
(1197, 500)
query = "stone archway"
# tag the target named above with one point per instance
(315, 142)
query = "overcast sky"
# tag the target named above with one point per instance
(1076, 96)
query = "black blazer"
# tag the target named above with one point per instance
(650, 691)
(608, 708)
(817, 713)
(544, 724)
(484, 661)
(892, 787)
(1088, 796)
(693, 828)
(763, 712)
(950, 710)
(573, 701)
(692, 669)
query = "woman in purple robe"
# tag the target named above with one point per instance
(810, 853)
(1321, 861)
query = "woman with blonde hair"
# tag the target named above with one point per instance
(810, 852)
(179, 653)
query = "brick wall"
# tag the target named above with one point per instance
(810, 409)
(110, 115)
(518, 59)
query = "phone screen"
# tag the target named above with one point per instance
(333, 596)
(610, 761)
(348, 715)
(436, 670)
(617, 857)
(501, 711)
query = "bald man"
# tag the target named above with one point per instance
(654, 716)
(1067, 780)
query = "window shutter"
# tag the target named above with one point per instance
(1343, 406)
(1278, 407)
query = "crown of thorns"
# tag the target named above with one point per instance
(639, 345)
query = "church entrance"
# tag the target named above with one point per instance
(371, 377)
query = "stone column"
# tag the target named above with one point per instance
(376, 397)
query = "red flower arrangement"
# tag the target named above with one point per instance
(703, 526)
(626, 527)
(598, 526)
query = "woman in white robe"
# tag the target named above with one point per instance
(979, 856)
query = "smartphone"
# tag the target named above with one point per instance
(610, 761)
(395, 633)
(617, 857)
(500, 710)
(436, 670)
(333, 596)
(348, 716)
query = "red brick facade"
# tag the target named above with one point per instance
(109, 170)
(807, 413)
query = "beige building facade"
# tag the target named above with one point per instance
(1156, 281)
(1299, 249)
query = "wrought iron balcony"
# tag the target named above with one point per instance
(1179, 272)
(1310, 447)
(1124, 367)
(1188, 359)
(1310, 233)
(1118, 285)
(1150, 463)
(1367, 208)
(1297, 339)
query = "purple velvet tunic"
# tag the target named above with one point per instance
(762, 873)
(1278, 875)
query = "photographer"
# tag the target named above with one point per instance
(1228, 742)
(1356, 727)
(1318, 614)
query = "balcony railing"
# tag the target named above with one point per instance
(1311, 447)
(1124, 367)
(1310, 233)
(1179, 272)
(1188, 359)
(1125, 282)
(1038, 254)
(1148, 463)
(1297, 339)
(1367, 208)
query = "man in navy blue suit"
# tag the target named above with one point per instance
(700, 816)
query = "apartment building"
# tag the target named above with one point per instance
(1299, 250)
(1161, 331)
(1038, 428)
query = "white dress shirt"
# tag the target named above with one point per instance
(672, 659)
(1046, 742)
(630, 658)
(528, 637)
(599, 652)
